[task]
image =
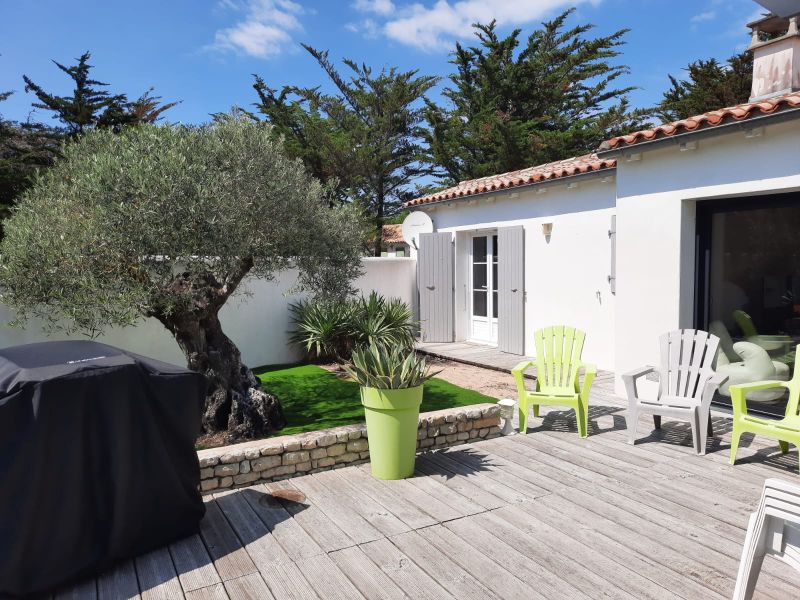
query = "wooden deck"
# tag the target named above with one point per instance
(478, 355)
(545, 515)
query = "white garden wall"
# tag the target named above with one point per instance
(656, 205)
(566, 276)
(258, 321)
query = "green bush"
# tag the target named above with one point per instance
(387, 367)
(332, 330)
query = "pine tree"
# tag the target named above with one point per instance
(364, 140)
(88, 106)
(148, 108)
(709, 86)
(511, 107)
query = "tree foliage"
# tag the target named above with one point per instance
(709, 86)
(364, 139)
(511, 107)
(166, 222)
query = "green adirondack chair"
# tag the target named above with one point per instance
(558, 362)
(786, 431)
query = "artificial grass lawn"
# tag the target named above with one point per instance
(313, 398)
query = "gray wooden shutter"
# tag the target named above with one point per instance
(435, 272)
(511, 290)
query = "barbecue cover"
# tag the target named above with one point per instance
(97, 459)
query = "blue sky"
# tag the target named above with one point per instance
(204, 52)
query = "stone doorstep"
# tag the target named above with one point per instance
(292, 455)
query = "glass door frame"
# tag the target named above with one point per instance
(490, 289)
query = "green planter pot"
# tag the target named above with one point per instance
(392, 422)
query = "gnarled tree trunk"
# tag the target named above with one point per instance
(235, 402)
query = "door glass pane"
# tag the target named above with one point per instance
(494, 304)
(494, 276)
(754, 296)
(479, 249)
(479, 303)
(494, 248)
(479, 277)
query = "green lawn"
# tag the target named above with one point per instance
(313, 398)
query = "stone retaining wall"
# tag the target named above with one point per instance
(292, 455)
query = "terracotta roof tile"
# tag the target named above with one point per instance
(714, 118)
(527, 176)
(393, 234)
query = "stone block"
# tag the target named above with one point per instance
(422, 434)
(207, 473)
(284, 470)
(364, 455)
(347, 458)
(226, 470)
(318, 453)
(252, 453)
(271, 449)
(225, 482)
(427, 443)
(244, 467)
(337, 449)
(357, 445)
(463, 436)
(244, 478)
(233, 456)
(326, 440)
(293, 458)
(448, 428)
(291, 446)
(474, 414)
(209, 484)
(483, 432)
(342, 437)
(308, 444)
(326, 462)
(209, 461)
(265, 462)
(353, 435)
(451, 438)
(303, 467)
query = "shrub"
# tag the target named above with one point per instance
(332, 330)
(387, 367)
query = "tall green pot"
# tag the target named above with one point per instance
(392, 422)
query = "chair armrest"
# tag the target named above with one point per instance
(740, 391)
(712, 385)
(637, 373)
(631, 377)
(519, 376)
(589, 372)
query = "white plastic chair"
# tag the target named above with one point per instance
(687, 384)
(773, 529)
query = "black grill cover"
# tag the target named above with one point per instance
(97, 459)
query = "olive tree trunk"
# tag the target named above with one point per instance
(235, 402)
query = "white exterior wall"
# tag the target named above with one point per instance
(258, 322)
(656, 202)
(566, 278)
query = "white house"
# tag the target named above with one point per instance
(690, 224)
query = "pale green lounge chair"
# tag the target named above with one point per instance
(786, 431)
(558, 362)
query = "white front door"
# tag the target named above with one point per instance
(483, 285)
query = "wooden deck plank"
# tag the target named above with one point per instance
(118, 583)
(157, 577)
(415, 582)
(327, 579)
(193, 564)
(356, 526)
(463, 505)
(441, 568)
(287, 531)
(406, 511)
(501, 581)
(248, 587)
(481, 495)
(314, 522)
(373, 583)
(230, 559)
(82, 590)
(211, 592)
(286, 581)
(373, 512)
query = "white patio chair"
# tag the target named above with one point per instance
(773, 529)
(687, 383)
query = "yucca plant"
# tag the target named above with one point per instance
(387, 367)
(376, 320)
(322, 328)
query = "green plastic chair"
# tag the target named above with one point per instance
(558, 362)
(786, 431)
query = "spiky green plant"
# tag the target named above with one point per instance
(387, 367)
(377, 320)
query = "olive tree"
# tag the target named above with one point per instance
(166, 222)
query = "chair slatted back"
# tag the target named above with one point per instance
(793, 405)
(558, 355)
(687, 356)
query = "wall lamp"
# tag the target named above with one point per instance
(547, 229)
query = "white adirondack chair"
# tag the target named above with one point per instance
(687, 383)
(773, 529)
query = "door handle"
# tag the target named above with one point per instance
(514, 289)
(431, 287)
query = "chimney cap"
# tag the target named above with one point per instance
(770, 23)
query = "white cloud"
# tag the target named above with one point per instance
(435, 27)
(265, 29)
(703, 16)
(368, 28)
(379, 7)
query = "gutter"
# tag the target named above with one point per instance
(510, 190)
(707, 132)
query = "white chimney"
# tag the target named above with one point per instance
(776, 56)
